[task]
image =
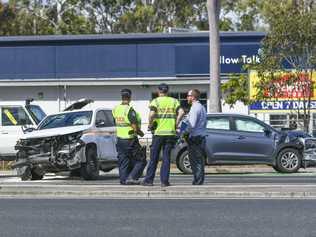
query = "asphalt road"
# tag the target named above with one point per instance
(143, 218)
(181, 179)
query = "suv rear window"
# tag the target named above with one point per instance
(220, 123)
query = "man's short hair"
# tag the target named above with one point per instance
(163, 87)
(126, 93)
(195, 93)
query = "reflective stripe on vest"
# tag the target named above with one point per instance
(166, 116)
(123, 126)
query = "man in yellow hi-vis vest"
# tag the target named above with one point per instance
(165, 115)
(131, 156)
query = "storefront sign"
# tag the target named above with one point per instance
(282, 105)
(285, 96)
(243, 59)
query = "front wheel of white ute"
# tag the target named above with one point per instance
(90, 169)
(24, 172)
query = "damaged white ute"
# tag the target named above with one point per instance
(80, 139)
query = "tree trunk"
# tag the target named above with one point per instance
(213, 9)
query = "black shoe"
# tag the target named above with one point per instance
(123, 183)
(193, 183)
(147, 184)
(163, 185)
(132, 182)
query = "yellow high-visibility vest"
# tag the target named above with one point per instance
(124, 129)
(166, 115)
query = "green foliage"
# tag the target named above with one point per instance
(236, 89)
(30, 17)
(158, 16)
(290, 43)
(244, 15)
(7, 15)
(135, 19)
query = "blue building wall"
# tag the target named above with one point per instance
(121, 56)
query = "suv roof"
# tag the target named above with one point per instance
(229, 114)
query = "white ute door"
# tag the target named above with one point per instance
(12, 120)
(106, 135)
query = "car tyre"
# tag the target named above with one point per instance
(75, 173)
(183, 163)
(276, 168)
(90, 169)
(36, 176)
(37, 173)
(25, 173)
(288, 160)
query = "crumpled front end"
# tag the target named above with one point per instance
(50, 154)
(309, 151)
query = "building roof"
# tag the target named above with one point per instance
(128, 37)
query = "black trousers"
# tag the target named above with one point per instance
(166, 143)
(131, 159)
(196, 148)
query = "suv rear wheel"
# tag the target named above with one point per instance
(288, 160)
(183, 163)
(90, 169)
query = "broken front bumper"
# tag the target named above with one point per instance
(69, 157)
(309, 152)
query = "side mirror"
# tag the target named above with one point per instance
(26, 129)
(267, 132)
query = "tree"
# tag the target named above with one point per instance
(106, 14)
(7, 15)
(213, 8)
(42, 17)
(159, 16)
(140, 19)
(243, 15)
(289, 45)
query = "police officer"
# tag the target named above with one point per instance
(163, 116)
(131, 156)
(196, 136)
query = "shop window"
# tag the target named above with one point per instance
(182, 97)
(296, 121)
(314, 125)
(278, 120)
(287, 121)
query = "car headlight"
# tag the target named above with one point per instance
(74, 137)
(310, 143)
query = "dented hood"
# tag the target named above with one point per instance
(54, 132)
